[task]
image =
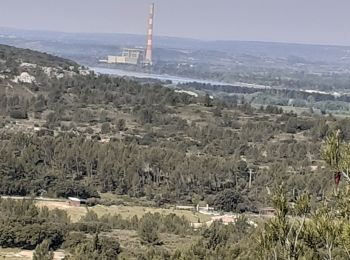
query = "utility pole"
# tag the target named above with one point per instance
(250, 178)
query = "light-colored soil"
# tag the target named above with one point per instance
(75, 213)
(15, 254)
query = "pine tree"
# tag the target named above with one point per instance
(207, 100)
(148, 229)
(43, 252)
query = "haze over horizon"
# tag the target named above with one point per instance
(297, 21)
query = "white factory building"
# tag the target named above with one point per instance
(137, 56)
(129, 56)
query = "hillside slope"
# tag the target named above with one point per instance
(71, 132)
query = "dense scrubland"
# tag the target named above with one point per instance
(68, 132)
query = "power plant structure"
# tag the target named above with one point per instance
(133, 56)
(149, 49)
(137, 56)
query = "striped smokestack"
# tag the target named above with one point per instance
(148, 57)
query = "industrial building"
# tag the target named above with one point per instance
(137, 56)
(149, 48)
(129, 56)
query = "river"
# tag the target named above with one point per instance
(175, 79)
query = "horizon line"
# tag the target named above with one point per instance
(176, 37)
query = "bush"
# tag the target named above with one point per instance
(71, 189)
(105, 202)
(89, 130)
(73, 239)
(98, 248)
(148, 229)
(105, 128)
(227, 200)
(18, 114)
(121, 125)
(43, 252)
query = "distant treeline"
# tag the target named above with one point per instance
(285, 93)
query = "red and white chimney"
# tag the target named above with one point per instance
(148, 56)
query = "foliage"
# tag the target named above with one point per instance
(42, 251)
(332, 150)
(169, 147)
(30, 226)
(337, 153)
(322, 235)
(97, 248)
(280, 237)
(227, 200)
(148, 230)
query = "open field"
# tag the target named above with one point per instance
(125, 211)
(75, 213)
(130, 211)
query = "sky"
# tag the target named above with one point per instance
(295, 21)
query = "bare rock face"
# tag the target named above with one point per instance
(25, 77)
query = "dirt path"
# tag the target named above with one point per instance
(27, 254)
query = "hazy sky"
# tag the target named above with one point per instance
(304, 21)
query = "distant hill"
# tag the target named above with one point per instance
(26, 73)
(13, 54)
(95, 44)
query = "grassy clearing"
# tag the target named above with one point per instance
(130, 211)
(75, 213)
(125, 211)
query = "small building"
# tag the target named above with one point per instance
(204, 209)
(76, 202)
(197, 208)
(268, 211)
(191, 208)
